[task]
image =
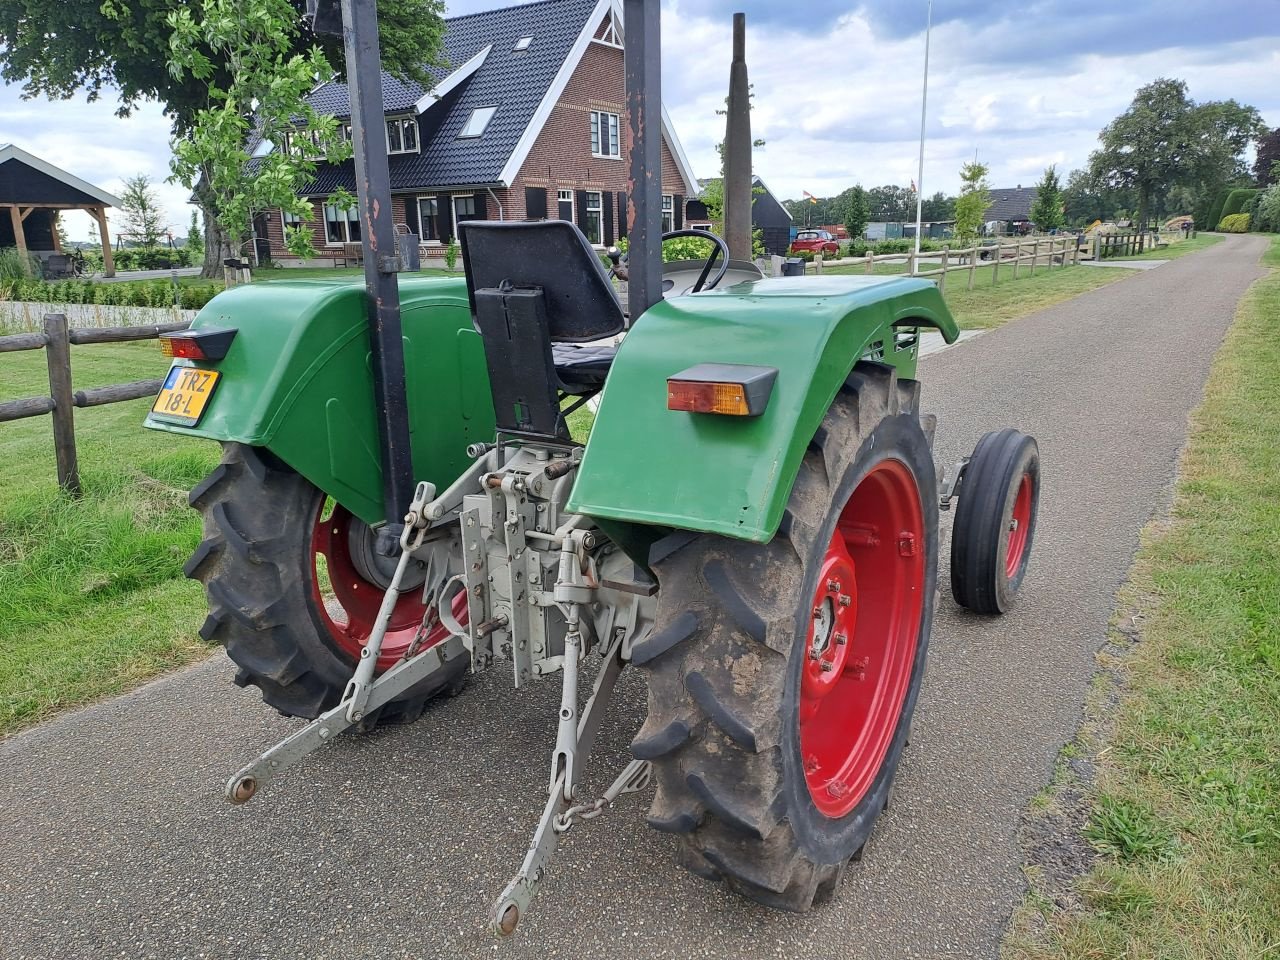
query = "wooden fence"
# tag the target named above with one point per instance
(1120, 244)
(1041, 251)
(56, 341)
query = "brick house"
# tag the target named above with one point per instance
(528, 122)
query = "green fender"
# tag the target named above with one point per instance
(298, 381)
(732, 475)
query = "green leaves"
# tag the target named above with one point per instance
(973, 201)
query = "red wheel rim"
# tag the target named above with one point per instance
(1019, 524)
(349, 607)
(861, 645)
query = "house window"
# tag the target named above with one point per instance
(604, 134)
(477, 122)
(292, 220)
(523, 43)
(428, 219)
(402, 135)
(341, 226)
(668, 213)
(564, 204)
(595, 218)
(700, 226)
(465, 208)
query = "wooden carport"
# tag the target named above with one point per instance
(34, 192)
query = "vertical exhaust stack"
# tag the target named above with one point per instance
(737, 149)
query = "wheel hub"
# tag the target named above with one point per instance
(362, 545)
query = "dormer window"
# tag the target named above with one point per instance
(402, 135)
(477, 122)
(523, 43)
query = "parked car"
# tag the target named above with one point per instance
(815, 241)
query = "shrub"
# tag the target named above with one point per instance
(451, 255)
(1215, 210)
(1269, 208)
(1236, 201)
(1235, 223)
(897, 245)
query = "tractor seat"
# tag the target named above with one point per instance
(582, 369)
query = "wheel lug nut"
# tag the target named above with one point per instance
(817, 613)
(845, 600)
(827, 666)
(833, 586)
(841, 639)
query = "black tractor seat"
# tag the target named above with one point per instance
(582, 368)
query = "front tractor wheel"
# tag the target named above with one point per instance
(294, 587)
(783, 676)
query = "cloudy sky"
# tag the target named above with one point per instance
(837, 87)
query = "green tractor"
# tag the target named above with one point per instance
(753, 521)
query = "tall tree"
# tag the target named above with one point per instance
(143, 219)
(975, 197)
(856, 212)
(1046, 212)
(937, 207)
(1264, 166)
(1165, 138)
(892, 204)
(122, 50)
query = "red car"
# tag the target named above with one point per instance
(815, 241)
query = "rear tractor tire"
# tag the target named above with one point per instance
(281, 567)
(995, 521)
(783, 676)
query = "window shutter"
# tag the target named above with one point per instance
(580, 208)
(606, 204)
(411, 216)
(677, 203)
(535, 203)
(622, 215)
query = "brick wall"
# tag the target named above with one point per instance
(561, 156)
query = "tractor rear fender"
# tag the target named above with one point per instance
(298, 381)
(732, 475)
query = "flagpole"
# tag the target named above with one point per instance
(924, 102)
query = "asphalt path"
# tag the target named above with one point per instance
(116, 842)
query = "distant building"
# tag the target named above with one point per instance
(1011, 208)
(768, 215)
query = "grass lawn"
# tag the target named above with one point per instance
(1177, 248)
(92, 598)
(1185, 811)
(988, 305)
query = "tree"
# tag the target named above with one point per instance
(856, 212)
(195, 238)
(1165, 138)
(1046, 212)
(143, 219)
(937, 207)
(975, 197)
(892, 204)
(1264, 167)
(123, 50)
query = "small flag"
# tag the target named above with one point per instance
(809, 196)
(913, 185)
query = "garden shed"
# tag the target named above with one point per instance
(34, 192)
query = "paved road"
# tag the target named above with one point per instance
(116, 842)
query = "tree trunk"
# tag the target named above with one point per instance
(1144, 201)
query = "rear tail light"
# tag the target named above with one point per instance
(197, 344)
(727, 389)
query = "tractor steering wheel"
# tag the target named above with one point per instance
(721, 252)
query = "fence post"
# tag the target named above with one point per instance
(58, 354)
(1017, 259)
(973, 262)
(817, 263)
(1035, 256)
(1075, 254)
(942, 280)
(911, 263)
(871, 261)
(995, 269)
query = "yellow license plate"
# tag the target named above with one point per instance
(185, 394)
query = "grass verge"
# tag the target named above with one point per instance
(92, 599)
(1177, 248)
(1183, 817)
(991, 305)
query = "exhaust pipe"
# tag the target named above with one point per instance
(737, 149)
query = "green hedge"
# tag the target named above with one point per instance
(1215, 210)
(1235, 223)
(1236, 201)
(137, 293)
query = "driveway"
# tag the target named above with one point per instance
(117, 841)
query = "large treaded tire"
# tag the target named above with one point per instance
(256, 565)
(724, 665)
